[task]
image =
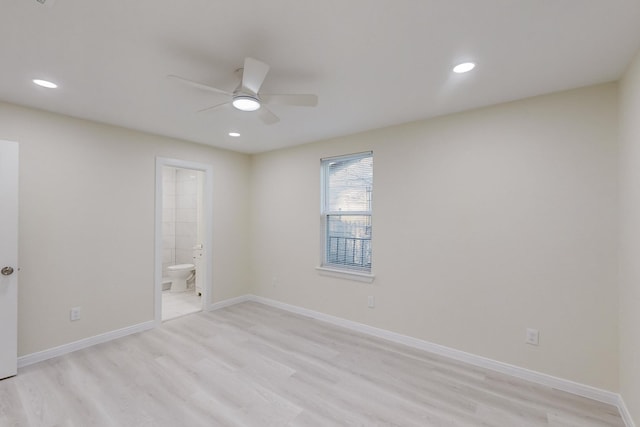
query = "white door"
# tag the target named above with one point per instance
(8, 259)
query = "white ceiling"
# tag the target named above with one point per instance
(372, 63)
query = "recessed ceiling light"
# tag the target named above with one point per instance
(45, 83)
(464, 67)
(246, 103)
(234, 134)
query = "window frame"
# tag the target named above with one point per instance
(340, 269)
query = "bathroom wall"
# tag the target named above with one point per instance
(168, 218)
(181, 215)
(186, 214)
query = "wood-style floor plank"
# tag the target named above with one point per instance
(254, 365)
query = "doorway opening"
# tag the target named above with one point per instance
(183, 238)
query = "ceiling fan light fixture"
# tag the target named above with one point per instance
(246, 103)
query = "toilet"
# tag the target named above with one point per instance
(179, 275)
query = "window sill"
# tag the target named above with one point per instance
(346, 274)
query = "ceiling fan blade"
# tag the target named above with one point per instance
(213, 107)
(253, 74)
(199, 85)
(301, 100)
(267, 117)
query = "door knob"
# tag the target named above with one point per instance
(7, 271)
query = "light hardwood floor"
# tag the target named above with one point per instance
(253, 365)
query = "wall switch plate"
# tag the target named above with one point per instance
(533, 336)
(74, 314)
(370, 302)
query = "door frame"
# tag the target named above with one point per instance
(207, 204)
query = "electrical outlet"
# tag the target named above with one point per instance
(371, 301)
(533, 336)
(74, 314)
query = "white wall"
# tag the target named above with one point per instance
(630, 238)
(485, 223)
(86, 232)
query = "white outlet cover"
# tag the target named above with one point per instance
(533, 336)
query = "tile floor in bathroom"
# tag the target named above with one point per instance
(176, 304)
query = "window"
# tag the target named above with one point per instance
(347, 185)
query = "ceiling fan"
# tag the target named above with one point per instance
(247, 96)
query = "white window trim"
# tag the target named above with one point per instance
(359, 276)
(331, 270)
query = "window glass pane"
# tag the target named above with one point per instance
(349, 184)
(349, 240)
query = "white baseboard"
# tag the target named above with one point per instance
(472, 359)
(228, 302)
(624, 413)
(40, 356)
